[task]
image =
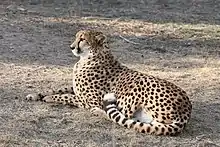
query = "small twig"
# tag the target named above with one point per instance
(128, 40)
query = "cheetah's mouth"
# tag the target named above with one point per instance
(77, 51)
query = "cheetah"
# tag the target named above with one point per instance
(129, 98)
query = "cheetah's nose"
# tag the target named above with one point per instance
(72, 46)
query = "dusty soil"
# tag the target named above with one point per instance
(176, 40)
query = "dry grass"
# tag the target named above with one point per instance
(144, 28)
(180, 47)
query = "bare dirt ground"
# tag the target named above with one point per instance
(176, 40)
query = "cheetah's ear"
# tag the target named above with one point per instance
(101, 39)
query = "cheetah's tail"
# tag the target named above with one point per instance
(154, 127)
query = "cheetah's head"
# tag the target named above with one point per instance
(88, 42)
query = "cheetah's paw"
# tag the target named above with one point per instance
(48, 99)
(32, 97)
(97, 111)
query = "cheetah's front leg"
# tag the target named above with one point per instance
(40, 96)
(66, 99)
(69, 99)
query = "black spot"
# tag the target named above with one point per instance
(143, 131)
(162, 129)
(129, 101)
(154, 85)
(141, 124)
(173, 126)
(163, 117)
(148, 130)
(175, 129)
(167, 91)
(141, 83)
(133, 123)
(170, 129)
